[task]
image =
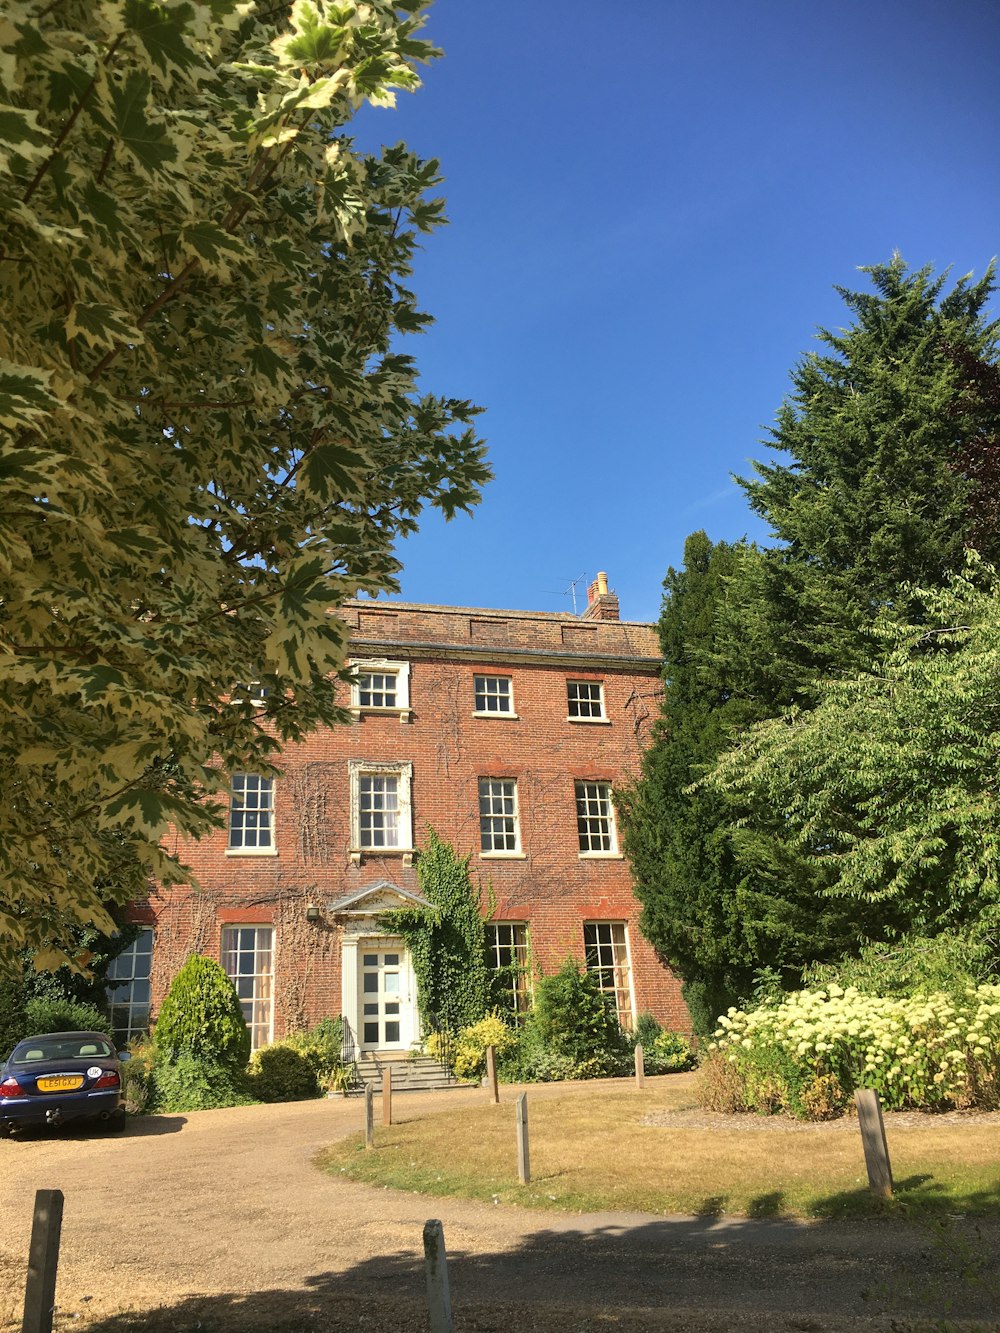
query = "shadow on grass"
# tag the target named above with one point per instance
(761, 1272)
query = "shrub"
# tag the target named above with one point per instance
(470, 1045)
(671, 1053)
(13, 1019)
(282, 1072)
(137, 1084)
(646, 1030)
(201, 1017)
(574, 1018)
(808, 1054)
(322, 1047)
(188, 1082)
(52, 1013)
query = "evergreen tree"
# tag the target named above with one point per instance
(879, 492)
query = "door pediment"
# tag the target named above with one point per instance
(375, 899)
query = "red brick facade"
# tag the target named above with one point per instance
(318, 858)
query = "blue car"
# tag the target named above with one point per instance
(60, 1077)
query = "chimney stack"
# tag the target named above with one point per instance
(601, 604)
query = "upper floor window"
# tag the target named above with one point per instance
(585, 699)
(507, 959)
(606, 947)
(128, 988)
(251, 813)
(380, 808)
(494, 696)
(498, 828)
(595, 818)
(381, 686)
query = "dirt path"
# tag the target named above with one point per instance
(220, 1221)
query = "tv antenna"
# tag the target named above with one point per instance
(570, 590)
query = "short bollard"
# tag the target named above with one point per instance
(640, 1067)
(43, 1262)
(436, 1268)
(523, 1161)
(369, 1116)
(387, 1096)
(491, 1073)
(872, 1128)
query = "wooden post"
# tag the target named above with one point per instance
(491, 1073)
(43, 1261)
(523, 1162)
(387, 1095)
(436, 1268)
(640, 1067)
(872, 1128)
(369, 1116)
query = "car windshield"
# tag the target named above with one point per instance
(84, 1047)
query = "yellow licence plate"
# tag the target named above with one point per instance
(67, 1083)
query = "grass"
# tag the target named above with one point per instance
(591, 1150)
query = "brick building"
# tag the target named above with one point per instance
(502, 730)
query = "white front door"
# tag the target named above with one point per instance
(384, 1005)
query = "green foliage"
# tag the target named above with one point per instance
(808, 1054)
(13, 1019)
(571, 1032)
(892, 783)
(56, 1014)
(663, 1051)
(201, 1017)
(322, 1046)
(469, 1051)
(447, 943)
(951, 962)
(878, 487)
(282, 1072)
(188, 1082)
(212, 435)
(137, 1078)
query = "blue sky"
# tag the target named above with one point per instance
(650, 203)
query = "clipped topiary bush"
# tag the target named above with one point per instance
(282, 1072)
(201, 1017)
(52, 1013)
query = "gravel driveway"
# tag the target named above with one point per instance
(219, 1221)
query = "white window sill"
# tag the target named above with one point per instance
(591, 721)
(511, 717)
(251, 851)
(503, 856)
(601, 856)
(358, 854)
(404, 714)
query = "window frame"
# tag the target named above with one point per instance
(622, 988)
(370, 666)
(113, 985)
(603, 795)
(514, 817)
(518, 970)
(571, 702)
(485, 693)
(403, 773)
(261, 1033)
(269, 848)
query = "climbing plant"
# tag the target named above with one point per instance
(446, 940)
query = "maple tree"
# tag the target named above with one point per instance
(210, 437)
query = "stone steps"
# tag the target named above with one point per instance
(417, 1074)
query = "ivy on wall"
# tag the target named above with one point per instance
(446, 940)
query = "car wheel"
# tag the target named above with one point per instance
(117, 1122)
